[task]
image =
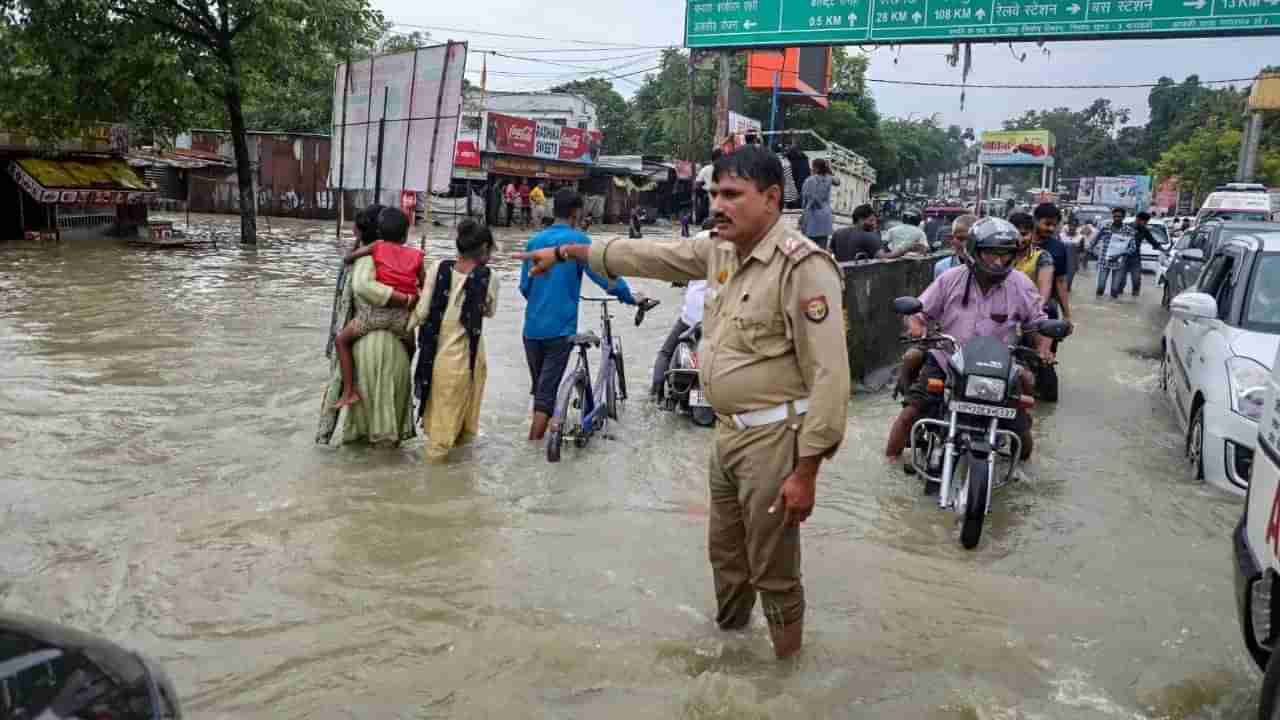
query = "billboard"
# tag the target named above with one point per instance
(513, 135)
(804, 73)
(419, 94)
(1017, 147)
(1132, 192)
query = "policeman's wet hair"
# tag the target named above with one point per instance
(566, 202)
(474, 239)
(393, 226)
(753, 163)
(1047, 210)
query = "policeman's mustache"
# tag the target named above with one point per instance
(720, 218)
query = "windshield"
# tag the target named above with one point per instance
(1237, 215)
(1263, 311)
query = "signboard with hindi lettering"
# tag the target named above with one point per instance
(756, 23)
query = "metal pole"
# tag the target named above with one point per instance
(382, 133)
(977, 201)
(1250, 147)
(368, 112)
(693, 152)
(773, 104)
(722, 96)
(408, 123)
(435, 133)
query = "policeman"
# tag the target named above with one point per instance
(775, 368)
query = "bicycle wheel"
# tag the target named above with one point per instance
(621, 370)
(567, 420)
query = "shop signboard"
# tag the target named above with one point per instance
(466, 155)
(1017, 147)
(511, 135)
(765, 23)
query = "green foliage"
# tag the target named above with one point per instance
(1089, 141)
(1205, 159)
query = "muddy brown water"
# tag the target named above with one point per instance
(159, 485)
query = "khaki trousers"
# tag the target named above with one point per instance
(752, 550)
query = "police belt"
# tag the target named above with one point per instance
(769, 416)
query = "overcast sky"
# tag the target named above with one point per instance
(579, 26)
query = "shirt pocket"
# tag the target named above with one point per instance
(762, 330)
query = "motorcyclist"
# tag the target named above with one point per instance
(690, 315)
(984, 298)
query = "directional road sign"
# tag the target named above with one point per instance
(755, 23)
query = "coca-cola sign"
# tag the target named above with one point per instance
(511, 135)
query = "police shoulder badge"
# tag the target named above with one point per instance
(816, 308)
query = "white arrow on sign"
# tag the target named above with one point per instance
(1074, 8)
(980, 13)
(750, 24)
(853, 17)
(917, 17)
(1197, 4)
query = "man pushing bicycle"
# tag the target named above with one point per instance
(775, 368)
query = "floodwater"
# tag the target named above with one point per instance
(160, 486)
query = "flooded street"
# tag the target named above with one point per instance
(160, 486)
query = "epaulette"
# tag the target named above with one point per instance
(797, 247)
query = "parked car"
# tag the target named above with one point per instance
(1255, 542)
(1190, 252)
(1218, 347)
(1227, 205)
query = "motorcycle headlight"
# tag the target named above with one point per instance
(1248, 380)
(984, 388)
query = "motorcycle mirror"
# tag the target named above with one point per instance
(907, 305)
(49, 670)
(1056, 329)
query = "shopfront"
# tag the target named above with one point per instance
(71, 197)
(505, 169)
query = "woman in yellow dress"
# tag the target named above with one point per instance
(451, 372)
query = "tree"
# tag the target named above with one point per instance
(158, 57)
(1203, 160)
(615, 118)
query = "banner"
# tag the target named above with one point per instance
(403, 89)
(1017, 147)
(1132, 192)
(511, 135)
(467, 155)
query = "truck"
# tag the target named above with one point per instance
(854, 171)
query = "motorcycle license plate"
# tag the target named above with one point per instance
(995, 411)
(696, 399)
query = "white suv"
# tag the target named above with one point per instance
(1219, 348)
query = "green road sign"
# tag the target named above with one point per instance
(755, 23)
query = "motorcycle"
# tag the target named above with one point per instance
(682, 391)
(959, 444)
(50, 671)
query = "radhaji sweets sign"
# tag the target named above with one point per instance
(1017, 147)
(513, 135)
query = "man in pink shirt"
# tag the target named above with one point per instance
(981, 299)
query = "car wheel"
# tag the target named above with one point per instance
(1269, 703)
(1195, 442)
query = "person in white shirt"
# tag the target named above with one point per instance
(702, 183)
(690, 314)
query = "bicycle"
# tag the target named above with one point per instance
(582, 410)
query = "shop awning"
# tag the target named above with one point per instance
(80, 181)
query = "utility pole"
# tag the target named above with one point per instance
(1249, 147)
(722, 95)
(693, 152)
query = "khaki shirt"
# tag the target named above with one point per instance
(773, 324)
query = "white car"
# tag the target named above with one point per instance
(1218, 348)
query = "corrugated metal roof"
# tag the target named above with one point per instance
(83, 174)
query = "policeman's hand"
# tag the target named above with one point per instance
(798, 493)
(541, 260)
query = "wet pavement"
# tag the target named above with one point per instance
(160, 486)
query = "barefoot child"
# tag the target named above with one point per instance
(399, 267)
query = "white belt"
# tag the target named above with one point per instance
(769, 416)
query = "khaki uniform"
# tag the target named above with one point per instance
(773, 334)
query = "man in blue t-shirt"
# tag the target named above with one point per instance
(551, 315)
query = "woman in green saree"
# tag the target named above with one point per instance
(383, 373)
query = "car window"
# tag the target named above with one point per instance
(1262, 308)
(1211, 277)
(1226, 290)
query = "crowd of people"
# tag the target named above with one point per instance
(774, 357)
